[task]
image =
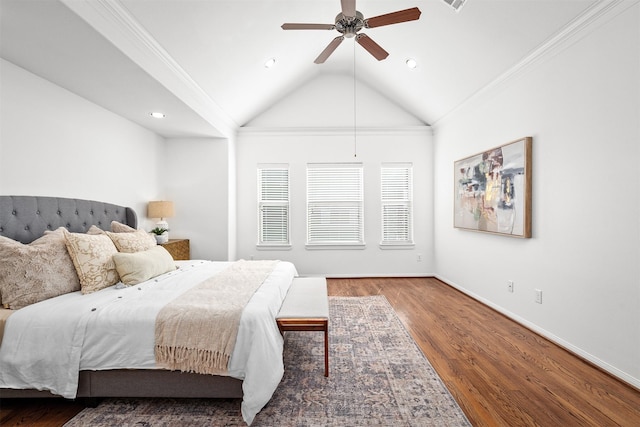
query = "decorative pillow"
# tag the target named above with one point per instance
(92, 256)
(135, 268)
(37, 271)
(95, 230)
(118, 227)
(136, 241)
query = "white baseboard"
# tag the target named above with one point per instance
(359, 276)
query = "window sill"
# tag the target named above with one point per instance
(392, 246)
(335, 247)
(286, 247)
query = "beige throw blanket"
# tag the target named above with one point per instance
(197, 331)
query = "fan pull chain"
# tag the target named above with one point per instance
(355, 143)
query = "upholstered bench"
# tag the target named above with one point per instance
(306, 308)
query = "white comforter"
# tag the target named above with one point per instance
(46, 344)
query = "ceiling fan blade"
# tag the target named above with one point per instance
(372, 47)
(329, 50)
(289, 26)
(348, 7)
(393, 18)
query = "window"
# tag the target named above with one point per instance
(397, 203)
(273, 204)
(335, 204)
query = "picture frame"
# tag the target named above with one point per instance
(493, 190)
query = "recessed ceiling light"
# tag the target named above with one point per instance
(157, 115)
(411, 63)
(270, 62)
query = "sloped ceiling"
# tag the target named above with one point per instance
(201, 62)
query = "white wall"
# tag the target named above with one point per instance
(55, 143)
(198, 178)
(322, 133)
(582, 108)
(328, 101)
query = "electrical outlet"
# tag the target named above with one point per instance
(538, 296)
(510, 286)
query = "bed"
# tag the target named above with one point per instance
(124, 370)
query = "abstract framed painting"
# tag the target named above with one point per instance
(493, 190)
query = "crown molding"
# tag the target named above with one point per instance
(334, 131)
(595, 13)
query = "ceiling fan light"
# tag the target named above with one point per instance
(270, 63)
(411, 63)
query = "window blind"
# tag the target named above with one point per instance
(335, 204)
(397, 203)
(273, 205)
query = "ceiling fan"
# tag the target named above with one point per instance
(350, 21)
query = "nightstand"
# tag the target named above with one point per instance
(178, 248)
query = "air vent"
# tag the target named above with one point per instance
(455, 4)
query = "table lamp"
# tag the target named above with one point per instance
(161, 209)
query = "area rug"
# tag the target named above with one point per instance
(378, 376)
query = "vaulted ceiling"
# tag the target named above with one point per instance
(201, 62)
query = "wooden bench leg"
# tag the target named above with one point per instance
(309, 325)
(326, 349)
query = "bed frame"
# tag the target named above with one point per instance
(26, 218)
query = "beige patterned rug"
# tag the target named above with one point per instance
(378, 376)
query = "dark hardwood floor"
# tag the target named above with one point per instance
(501, 373)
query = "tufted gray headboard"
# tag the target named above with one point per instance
(25, 218)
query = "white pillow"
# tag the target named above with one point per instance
(138, 267)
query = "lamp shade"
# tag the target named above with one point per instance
(160, 209)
